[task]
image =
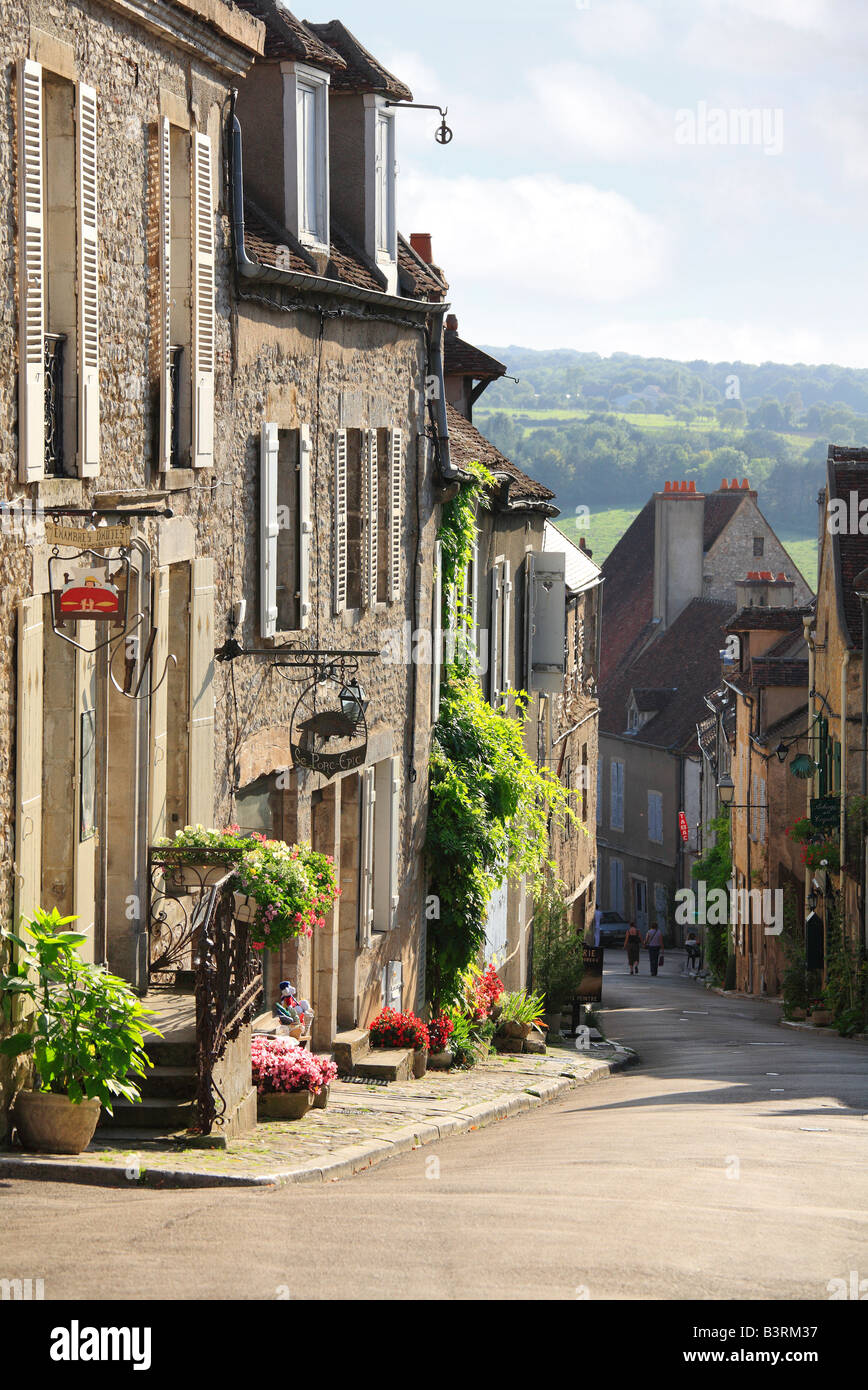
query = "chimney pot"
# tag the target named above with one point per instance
(745, 485)
(692, 487)
(734, 483)
(421, 244)
(724, 487)
(451, 323)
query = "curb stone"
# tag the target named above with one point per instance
(345, 1163)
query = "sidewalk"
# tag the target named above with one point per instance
(363, 1124)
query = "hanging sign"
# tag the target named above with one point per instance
(86, 591)
(683, 826)
(328, 733)
(100, 538)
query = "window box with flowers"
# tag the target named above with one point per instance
(199, 858)
(288, 1079)
(284, 891)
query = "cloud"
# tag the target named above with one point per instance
(537, 234)
(622, 28)
(690, 338)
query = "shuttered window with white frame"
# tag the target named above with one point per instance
(88, 285)
(305, 527)
(616, 807)
(268, 528)
(340, 522)
(437, 632)
(372, 517)
(494, 669)
(159, 707)
(163, 191)
(204, 345)
(506, 627)
(31, 225)
(366, 884)
(200, 807)
(396, 509)
(28, 775)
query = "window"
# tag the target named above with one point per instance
(616, 808)
(311, 211)
(500, 632)
(655, 817)
(352, 467)
(584, 788)
(600, 792)
(285, 530)
(59, 265)
(758, 545)
(385, 185)
(380, 848)
(616, 886)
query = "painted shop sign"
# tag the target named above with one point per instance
(90, 595)
(329, 733)
(99, 538)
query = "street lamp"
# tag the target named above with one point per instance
(812, 900)
(726, 790)
(353, 702)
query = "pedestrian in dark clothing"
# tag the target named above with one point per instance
(654, 943)
(633, 945)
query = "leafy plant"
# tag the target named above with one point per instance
(440, 1030)
(846, 988)
(469, 1042)
(280, 1067)
(87, 1028)
(558, 964)
(521, 1007)
(294, 886)
(715, 868)
(393, 1029)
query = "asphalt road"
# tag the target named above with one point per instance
(730, 1165)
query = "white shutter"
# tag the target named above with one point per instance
(268, 529)
(159, 722)
(396, 501)
(616, 812)
(493, 649)
(200, 808)
(203, 305)
(305, 527)
(529, 619)
(88, 286)
(507, 623)
(28, 775)
(31, 314)
(366, 896)
(372, 489)
(473, 600)
(395, 835)
(437, 632)
(164, 195)
(340, 521)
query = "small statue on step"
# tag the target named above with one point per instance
(292, 1010)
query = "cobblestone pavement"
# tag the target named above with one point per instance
(363, 1124)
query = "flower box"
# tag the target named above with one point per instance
(440, 1061)
(321, 1099)
(285, 1105)
(821, 1018)
(201, 874)
(420, 1062)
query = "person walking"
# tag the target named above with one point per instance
(654, 943)
(633, 945)
(691, 946)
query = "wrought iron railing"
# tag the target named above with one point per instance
(175, 886)
(54, 344)
(228, 993)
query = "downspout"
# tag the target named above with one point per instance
(809, 639)
(437, 407)
(845, 669)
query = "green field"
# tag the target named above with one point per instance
(703, 425)
(605, 529)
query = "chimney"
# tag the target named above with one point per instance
(679, 524)
(421, 244)
(451, 323)
(583, 546)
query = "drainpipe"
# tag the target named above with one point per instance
(845, 667)
(809, 639)
(449, 474)
(144, 760)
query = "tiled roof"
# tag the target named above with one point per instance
(769, 619)
(776, 671)
(469, 446)
(581, 572)
(287, 39)
(720, 508)
(420, 280)
(848, 473)
(271, 245)
(463, 359)
(648, 700)
(688, 653)
(362, 72)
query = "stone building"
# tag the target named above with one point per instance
(670, 585)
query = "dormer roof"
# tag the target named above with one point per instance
(361, 72)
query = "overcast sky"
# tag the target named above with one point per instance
(587, 200)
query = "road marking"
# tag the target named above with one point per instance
(815, 1129)
(777, 1090)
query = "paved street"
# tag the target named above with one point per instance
(731, 1164)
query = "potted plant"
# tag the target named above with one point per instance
(85, 1032)
(393, 1029)
(440, 1054)
(284, 891)
(819, 1013)
(199, 858)
(519, 1012)
(327, 1073)
(287, 1078)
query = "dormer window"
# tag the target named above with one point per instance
(381, 232)
(386, 230)
(306, 155)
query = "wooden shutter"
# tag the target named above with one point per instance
(394, 835)
(340, 521)
(396, 500)
(88, 286)
(203, 304)
(507, 625)
(493, 650)
(366, 895)
(31, 313)
(372, 492)
(437, 632)
(200, 780)
(305, 526)
(268, 529)
(529, 598)
(28, 775)
(164, 328)
(159, 731)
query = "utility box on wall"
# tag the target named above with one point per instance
(545, 622)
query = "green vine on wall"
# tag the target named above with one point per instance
(716, 869)
(490, 804)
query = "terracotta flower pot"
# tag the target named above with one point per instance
(511, 1029)
(821, 1018)
(285, 1105)
(321, 1099)
(440, 1061)
(420, 1062)
(798, 1014)
(53, 1124)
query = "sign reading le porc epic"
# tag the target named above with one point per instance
(328, 763)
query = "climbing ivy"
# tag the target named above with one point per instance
(716, 869)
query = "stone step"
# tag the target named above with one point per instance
(386, 1064)
(151, 1113)
(348, 1049)
(172, 1052)
(172, 1082)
